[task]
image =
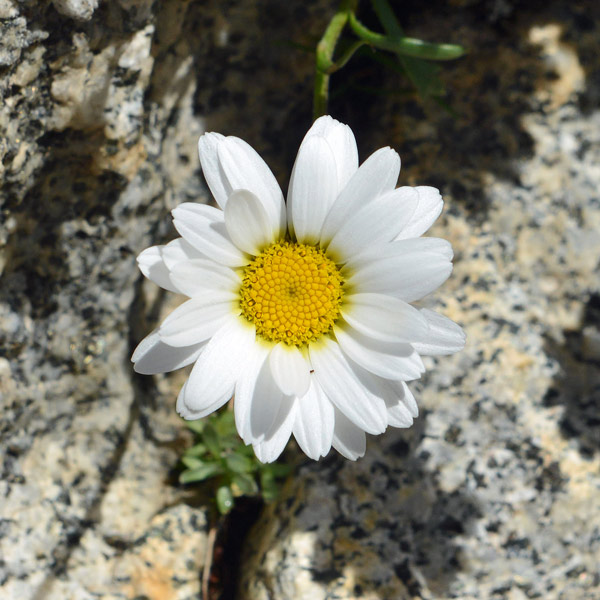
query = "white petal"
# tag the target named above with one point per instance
(248, 222)
(399, 248)
(215, 373)
(399, 416)
(348, 439)
(151, 264)
(428, 210)
(384, 318)
(216, 180)
(408, 276)
(275, 441)
(180, 406)
(401, 405)
(184, 411)
(377, 175)
(257, 397)
(290, 370)
(343, 146)
(444, 336)
(344, 388)
(429, 245)
(314, 422)
(244, 169)
(245, 389)
(197, 319)
(313, 189)
(377, 223)
(154, 356)
(388, 390)
(409, 401)
(392, 361)
(204, 228)
(177, 251)
(201, 276)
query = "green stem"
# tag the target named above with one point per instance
(405, 45)
(344, 58)
(325, 49)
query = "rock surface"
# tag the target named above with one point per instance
(102, 107)
(493, 494)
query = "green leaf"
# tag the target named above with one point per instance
(211, 439)
(246, 450)
(239, 464)
(192, 462)
(268, 486)
(426, 50)
(224, 499)
(196, 426)
(225, 423)
(400, 44)
(246, 483)
(197, 450)
(424, 75)
(201, 473)
(278, 469)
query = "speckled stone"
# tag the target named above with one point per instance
(495, 492)
(102, 107)
(78, 9)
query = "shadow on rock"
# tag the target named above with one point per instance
(490, 90)
(577, 385)
(454, 150)
(380, 526)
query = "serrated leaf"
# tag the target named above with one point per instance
(224, 499)
(201, 473)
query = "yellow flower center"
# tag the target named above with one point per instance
(292, 293)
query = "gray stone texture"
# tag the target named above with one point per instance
(495, 493)
(102, 106)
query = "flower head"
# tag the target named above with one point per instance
(302, 312)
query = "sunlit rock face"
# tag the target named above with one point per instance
(102, 107)
(492, 494)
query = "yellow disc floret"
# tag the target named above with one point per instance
(292, 293)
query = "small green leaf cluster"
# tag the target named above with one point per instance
(232, 468)
(414, 58)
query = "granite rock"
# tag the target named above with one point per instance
(78, 9)
(495, 492)
(103, 105)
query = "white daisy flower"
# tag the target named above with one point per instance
(302, 312)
